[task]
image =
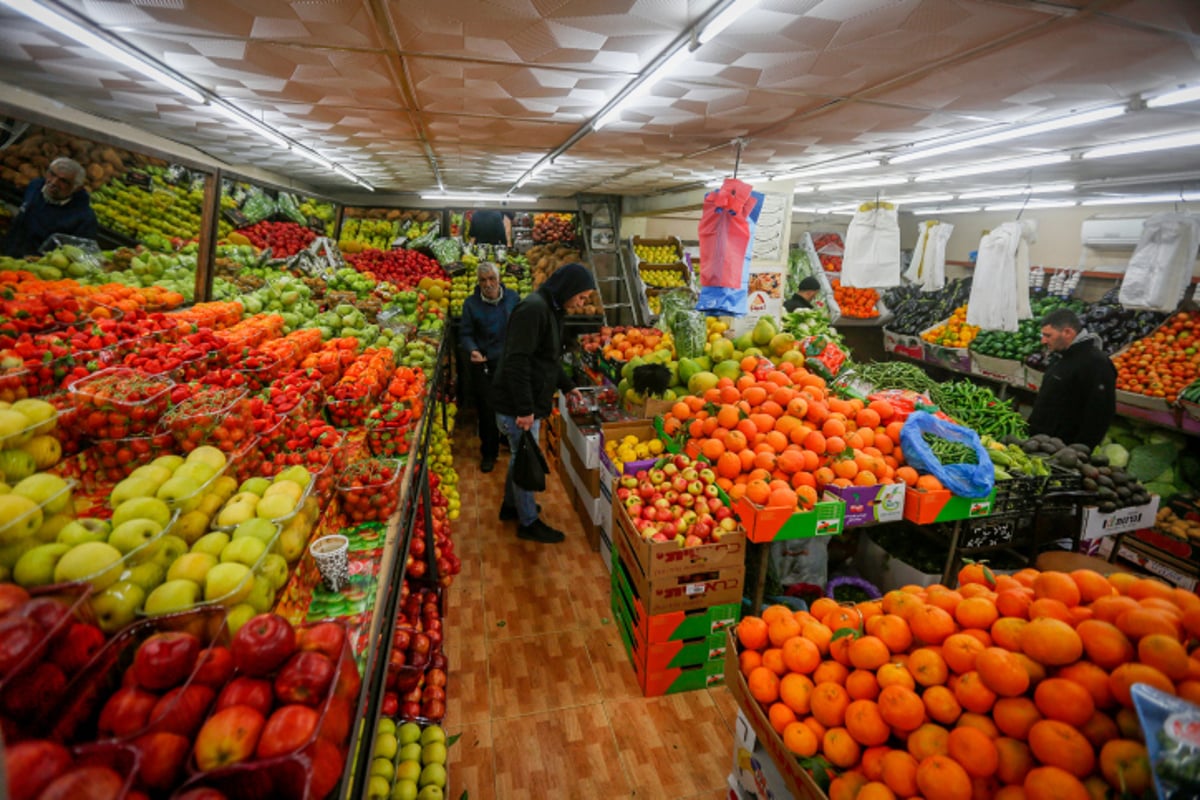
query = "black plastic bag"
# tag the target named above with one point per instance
(529, 465)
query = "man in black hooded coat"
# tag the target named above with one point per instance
(529, 372)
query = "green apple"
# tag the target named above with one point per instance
(383, 768)
(172, 596)
(39, 413)
(207, 454)
(434, 733)
(432, 791)
(262, 594)
(97, 562)
(296, 474)
(285, 488)
(224, 487)
(433, 753)
(155, 472)
(385, 746)
(148, 575)
(171, 462)
(231, 583)
(170, 547)
(385, 725)
(404, 789)
(15, 428)
(191, 526)
(117, 605)
(45, 451)
(238, 616)
(409, 752)
(246, 550)
(51, 525)
(178, 489)
(20, 518)
(261, 529)
(408, 733)
(275, 569)
(378, 788)
(210, 503)
(275, 506)
(432, 775)
(142, 508)
(192, 567)
(85, 529)
(212, 543)
(255, 485)
(293, 539)
(408, 771)
(237, 511)
(36, 566)
(128, 536)
(10, 554)
(46, 489)
(130, 488)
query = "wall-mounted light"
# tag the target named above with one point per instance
(478, 197)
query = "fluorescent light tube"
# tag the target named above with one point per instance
(643, 85)
(726, 18)
(1060, 203)
(1019, 132)
(313, 156)
(68, 27)
(345, 173)
(803, 189)
(366, 185)
(920, 198)
(862, 182)
(832, 169)
(994, 166)
(468, 197)
(1044, 188)
(1168, 142)
(805, 210)
(922, 212)
(1176, 197)
(1174, 98)
(243, 119)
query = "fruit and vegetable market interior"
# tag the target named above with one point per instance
(872, 470)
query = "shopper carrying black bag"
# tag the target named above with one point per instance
(529, 469)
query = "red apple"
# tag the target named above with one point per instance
(201, 793)
(305, 678)
(228, 737)
(77, 646)
(31, 766)
(242, 691)
(214, 667)
(262, 644)
(289, 728)
(165, 660)
(19, 638)
(49, 612)
(34, 690)
(326, 638)
(164, 757)
(90, 782)
(127, 712)
(325, 767)
(182, 709)
(11, 596)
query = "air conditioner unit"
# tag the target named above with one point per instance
(1111, 233)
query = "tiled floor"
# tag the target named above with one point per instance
(540, 686)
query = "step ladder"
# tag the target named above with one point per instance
(599, 219)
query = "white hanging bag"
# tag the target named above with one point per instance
(872, 258)
(1161, 266)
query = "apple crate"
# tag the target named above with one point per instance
(90, 770)
(281, 520)
(310, 771)
(370, 489)
(324, 464)
(22, 436)
(116, 402)
(109, 461)
(36, 682)
(220, 417)
(55, 510)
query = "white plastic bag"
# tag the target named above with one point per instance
(928, 266)
(872, 258)
(1161, 267)
(1000, 290)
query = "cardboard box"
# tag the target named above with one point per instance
(754, 771)
(1142, 401)
(885, 570)
(955, 358)
(653, 560)
(586, 441)
(1096, 525)
(588, 480)
(702, 588)
(904, 345)
(606, 550)
(659, 656)
(656, 682)
(673, 625)
(1005, 370)
(799, 784)
(780, 524)
(925, 508)
(1185, 575)
(584, 508)
(869, 505)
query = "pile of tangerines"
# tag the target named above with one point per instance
(1008, 687)
(777, 436)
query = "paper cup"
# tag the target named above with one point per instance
(333, 561)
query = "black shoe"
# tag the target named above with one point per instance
(487, 465)
(510, 512)
(539, 532)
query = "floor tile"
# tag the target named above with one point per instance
(532, 674)
(672, 746)
(468, 701)
(569, 753)
(611, 663)
(725, 703)
(525, 593)
(470, 763)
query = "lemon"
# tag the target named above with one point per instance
(626, 453)
(654, 446)
(630, 440)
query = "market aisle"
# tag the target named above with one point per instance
(540, 686)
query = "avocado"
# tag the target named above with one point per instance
(1090, 484)
(1100, 460)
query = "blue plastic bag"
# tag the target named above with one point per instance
(964, 480)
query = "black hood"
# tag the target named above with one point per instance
(566, 282)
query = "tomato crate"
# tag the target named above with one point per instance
(14, 380)
(222, 418)
(349, 412)
(370, 489)
(388, 438)
(262, 368)
(110, 461)
(26, 701)
(307, 772)
(117, 402)
(274, 433)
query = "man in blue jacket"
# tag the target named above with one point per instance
(57, 203)
(484, 321)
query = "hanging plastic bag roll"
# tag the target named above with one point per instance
(726, 227)
(872, 258)
(1161, 266)
(965, 480)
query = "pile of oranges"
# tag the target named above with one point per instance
(856, 303)
(629, 343)
(954, 332)
(1008, 687)
(777, 437)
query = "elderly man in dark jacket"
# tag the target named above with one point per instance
(484, 320)
(1077, 400)
(57, 203)
(529, 373)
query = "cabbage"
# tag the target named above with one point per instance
(1117, 455)
(1164, 490)
(1151, 460)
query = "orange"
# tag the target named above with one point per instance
(941, 705)
(1138, 622)
(1014, 602)
(800, 654)
(822, 606)
(980, 722)
(1126, 766)
(942, 778)
(927, 666)
(901, 708)
(972, 694)
(828, 704)
(1006, 632)
(780, 716)
(976, 612)
(840, 748)
(1049, 607)
(1100, 729)
(763, 685)
(871, 762)
(943, 598)
(960, 651)
(1123, 677)
(866, 724)
(875, 790)
(830, 672)
(799, 739)
(900, 772)
(752, 633)
(1092, 678)
(1057, 744)
(1001, 672)
(1165, 654)
(843, 617)
(1058, 586)
(1013, 760)
(795, 691)
(1092, 585)
(748, 660)
(1107, 609)
(931, 624)
(1052, 783)
(1051, 642)
(895, 674)
(1148, 587)
(1105, 644)
(1061, 699)
(847, 785)
(868, 652)
(974, 750)
(1015, 716)
(772, 659)
(928, 740)
(862, 685)
(782, 629)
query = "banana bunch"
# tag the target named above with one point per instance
(1007, 459)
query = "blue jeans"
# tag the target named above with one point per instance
(514, 496)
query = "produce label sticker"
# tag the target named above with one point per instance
(1184, 728)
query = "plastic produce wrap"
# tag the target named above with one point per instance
(685, 324)
(257, 206)
(965, 480)
(290, 208)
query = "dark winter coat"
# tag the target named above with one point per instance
(796, 303)
(38, 220)
(1078, 398)
(483, 324)
(531, 368)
